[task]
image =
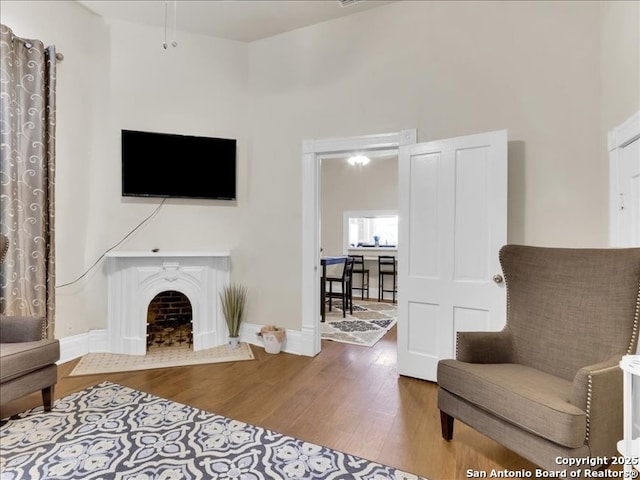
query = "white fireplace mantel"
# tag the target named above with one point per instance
(134, 278)
(163, 254)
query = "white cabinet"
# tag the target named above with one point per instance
(629, 446)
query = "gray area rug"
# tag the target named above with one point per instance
(113, 432)
(368, 323)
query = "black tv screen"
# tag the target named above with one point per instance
(184, 166)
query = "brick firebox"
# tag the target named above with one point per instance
(169, 321)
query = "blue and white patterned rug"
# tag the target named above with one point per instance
(368, 323)
(113, 432)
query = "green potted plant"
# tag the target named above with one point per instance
(233, 298)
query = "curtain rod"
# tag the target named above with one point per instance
(27, 43)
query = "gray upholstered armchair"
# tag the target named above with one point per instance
(549, 385)
(27, 361)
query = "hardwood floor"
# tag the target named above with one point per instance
(349, 398)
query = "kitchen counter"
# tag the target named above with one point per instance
(372, 253)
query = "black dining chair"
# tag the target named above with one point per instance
(345, 282)
(359, 269)
(387, 268)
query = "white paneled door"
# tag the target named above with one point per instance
(453, 221)
(624, 177)
(627, 203)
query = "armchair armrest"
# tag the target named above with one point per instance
(597, 389)
(484, 347)
(21, 329)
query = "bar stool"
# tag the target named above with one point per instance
(345, 287)
(387, 267)
(358, 269)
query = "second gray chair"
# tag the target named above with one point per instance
(549, 385)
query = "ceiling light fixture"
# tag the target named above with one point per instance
(359, 160)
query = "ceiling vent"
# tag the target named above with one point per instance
(347, 3)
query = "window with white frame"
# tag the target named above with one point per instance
(369, 229)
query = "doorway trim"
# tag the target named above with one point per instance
(312, 153)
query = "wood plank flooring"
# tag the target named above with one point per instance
(349, 398)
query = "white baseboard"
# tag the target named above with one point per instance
(75, 346)
(295, 342)
(98, 341)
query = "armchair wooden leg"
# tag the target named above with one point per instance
(446, 423)
(47, 398)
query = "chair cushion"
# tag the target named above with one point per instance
(530, 399)
(17, 359)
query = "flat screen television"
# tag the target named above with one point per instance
(183, 166)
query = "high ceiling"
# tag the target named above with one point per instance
(242, 20)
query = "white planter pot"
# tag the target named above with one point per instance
(233, 342)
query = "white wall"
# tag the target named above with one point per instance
(620, 70)
(449, 69)
(620, 62)
(346, 188)
(117, 76)
(446, 68)
(83, 118)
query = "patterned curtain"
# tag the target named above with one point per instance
(27, 161)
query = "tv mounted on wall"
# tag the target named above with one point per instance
(183, 166)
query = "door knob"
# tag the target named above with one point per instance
(498, 278)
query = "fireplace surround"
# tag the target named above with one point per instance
(135, 278)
